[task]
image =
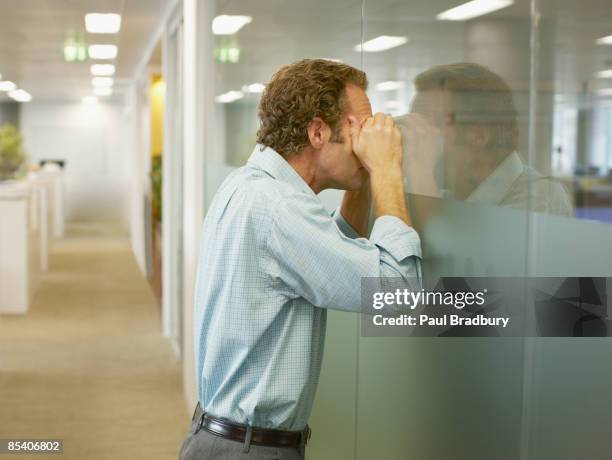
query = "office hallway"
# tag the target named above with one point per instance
(88, 363)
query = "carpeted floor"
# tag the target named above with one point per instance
(88, 363)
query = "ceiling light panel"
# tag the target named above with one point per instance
(230, 96)
(604, 74)
(254, 88)
(229, 25)
(102, 82)
(102, 51)
(473, 9)
(103, 91)
(20, 95)
(102, 23)
(390, 85)
(7, 86)
(102, 70)
(604, 40)
(382, 43)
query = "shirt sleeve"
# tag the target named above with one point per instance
(346, 228)
(310, 257)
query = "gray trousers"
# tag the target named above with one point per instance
(202, 445)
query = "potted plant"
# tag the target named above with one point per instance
(12, 156)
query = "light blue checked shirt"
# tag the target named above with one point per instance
(272, 259)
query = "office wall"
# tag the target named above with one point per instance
(9, 113)
(92, 139)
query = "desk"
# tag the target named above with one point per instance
(20, 259)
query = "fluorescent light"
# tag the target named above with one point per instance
(392, 104)
(103, 91)
(228, 25)
(228, 97)
(604, 74)
(605, 92)
(473, 9)
(7, 86)
(604, 40)
(382, 43)
(90, 100)
(102, 51)
(105, 82)
(102, 70)
(100, 23)
(390, 85)
(20, 95)
(254, 88)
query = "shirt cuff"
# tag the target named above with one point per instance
(394, 236)
(343, 225)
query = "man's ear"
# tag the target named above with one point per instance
(319, 133)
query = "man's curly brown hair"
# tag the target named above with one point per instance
(300, 92)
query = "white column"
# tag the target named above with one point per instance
(198, 85)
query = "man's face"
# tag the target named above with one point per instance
(435, 106)
(337, 161)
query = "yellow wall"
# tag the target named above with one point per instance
(157, 98)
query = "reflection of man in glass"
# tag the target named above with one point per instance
(465, 128)
(273, 259)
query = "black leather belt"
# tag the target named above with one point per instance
(258, 436)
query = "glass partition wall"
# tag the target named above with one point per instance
(506, 118)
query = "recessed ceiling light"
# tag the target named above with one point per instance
(7, 86)
(607, 40)
(105, 82)
(382, 43)
(604, 74)
(254, 88)
(90, 100)
(392, 104)
(228, 97)
(103, 91)
(390, 85)
(473, 9)
(102, 70)
(20, 95)
(102, 51)
(102, 23)
(228, 25)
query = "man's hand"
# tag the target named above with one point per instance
(378, 145)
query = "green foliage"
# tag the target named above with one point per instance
(156, 184)
(12, 156)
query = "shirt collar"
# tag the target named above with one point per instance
(497, 185)
(271, 162)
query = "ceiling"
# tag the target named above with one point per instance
(285, 30)
(32, 34)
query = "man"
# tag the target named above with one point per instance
(464, 127)
(272, 259)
